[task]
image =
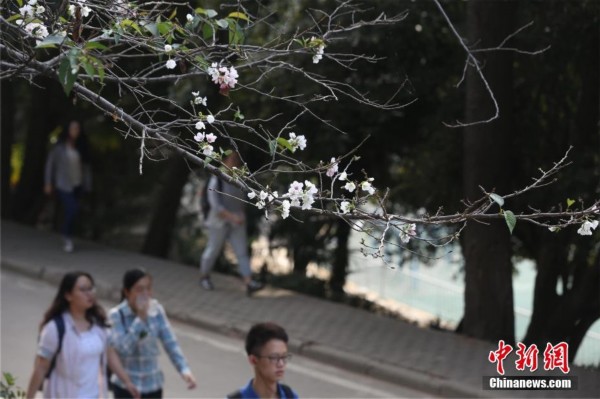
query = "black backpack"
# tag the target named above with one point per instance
(204, 203)
(60, 326)
(286, 390)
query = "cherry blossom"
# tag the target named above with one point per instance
(211, 138)
(297, 142)
(345, 206)
(407, 231)
(350, 186)
(332, 170)
(587, 227)
(171, 64)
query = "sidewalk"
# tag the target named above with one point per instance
(443, 363)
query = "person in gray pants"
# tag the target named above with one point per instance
(226, 221)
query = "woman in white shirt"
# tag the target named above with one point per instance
(73, 345)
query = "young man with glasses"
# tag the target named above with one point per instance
(267, 349)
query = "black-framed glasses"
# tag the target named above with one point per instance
(275, 359)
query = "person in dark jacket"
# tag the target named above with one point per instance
(267, 349)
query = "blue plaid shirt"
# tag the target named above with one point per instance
(136, 342)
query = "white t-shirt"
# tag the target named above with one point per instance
(79, 365)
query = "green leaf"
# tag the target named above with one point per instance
(10, 380)
(14, 17)
(497, 199)
(101, 72)
(20, 2)
(51, 41)
(222, 23)
(164, 27)
(236, 35)
(284, 143)
(127, 23)
(95, 45)
(272, 147)
(150, 27)
(89, 69)
(239, 15)
(65, 76)
(511, 220)
(570, 202)
(207, 31)
(173, 14)
(208, 13)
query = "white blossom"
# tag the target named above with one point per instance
(263, 195)
(189, 17)
(225, 77)
(332, 170)
(26, 11)
(587, 227)
(342, 176)
(211, 138)
(209, 118)
(171, 64)
(200, 125)
(199, 137)
(251, 195)
(297, 142)
(285, 209)
(554, 229)
(200, 100)
(350, 186)
(168, 48)
(366, 186)
(345, 206)
(207, 150)
(407, 231)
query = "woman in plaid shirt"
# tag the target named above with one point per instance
(138, 324)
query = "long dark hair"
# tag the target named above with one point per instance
(81, 143)
(95, 314)
(131, 277)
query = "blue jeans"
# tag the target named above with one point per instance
(70, 204)
(237, 237)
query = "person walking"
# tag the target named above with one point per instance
(139, 323)
(226, 221)
(267, 350)
(73, 348)
(68, 173)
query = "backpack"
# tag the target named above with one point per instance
(204, 203)
(60, 326)
(287, 391)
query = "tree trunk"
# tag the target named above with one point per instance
(160, 232)
(567, 316)
(46, 115)
(486, 247)
(8, 132)
(340, 260)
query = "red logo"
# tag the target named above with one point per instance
(556, 356)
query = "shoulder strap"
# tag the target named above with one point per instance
(235, 395)
(287, 391)
(60, 326)
(122, 318)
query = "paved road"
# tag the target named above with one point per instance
(218, 362)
